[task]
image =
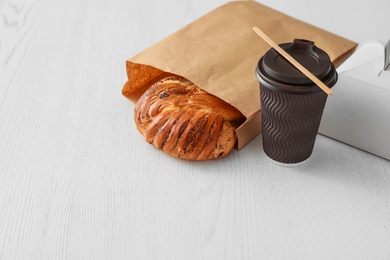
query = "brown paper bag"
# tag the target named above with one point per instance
(219, 53)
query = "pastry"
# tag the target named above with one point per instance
(185, 121)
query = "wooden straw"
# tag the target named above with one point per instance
(293, 61)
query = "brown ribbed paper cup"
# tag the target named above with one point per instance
(291, 104)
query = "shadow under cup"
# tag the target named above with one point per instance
(291, 104)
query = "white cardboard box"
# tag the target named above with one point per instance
(358, 113)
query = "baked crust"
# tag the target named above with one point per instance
(185, 121)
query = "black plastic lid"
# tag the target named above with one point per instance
(276, 72)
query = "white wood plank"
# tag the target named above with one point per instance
(77, 181)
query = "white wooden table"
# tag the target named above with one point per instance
(77, 181)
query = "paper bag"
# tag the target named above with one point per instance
(219, 53)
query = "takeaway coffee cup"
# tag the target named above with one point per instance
(291, 104)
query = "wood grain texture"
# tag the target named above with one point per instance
(77, 180)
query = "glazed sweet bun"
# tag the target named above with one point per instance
(185, 121)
